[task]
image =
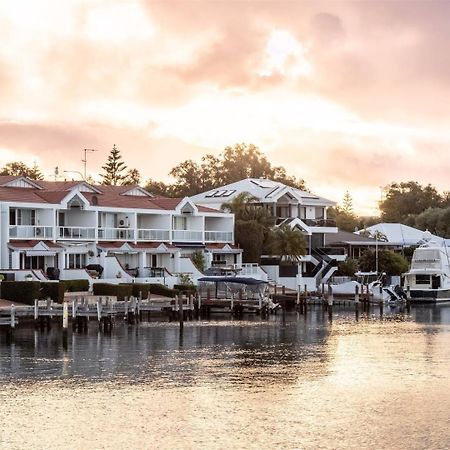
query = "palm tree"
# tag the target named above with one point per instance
(288, 243)
(245, 207)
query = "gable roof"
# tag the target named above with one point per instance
(54, 192)
(267, 191)
(400, 234)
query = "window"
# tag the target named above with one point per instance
(12, 216)
(76, 261)
(422, 279)
(179, 223)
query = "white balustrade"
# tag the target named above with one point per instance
(218, 236)
(145, 234)
(115, 234)
(30, 232)
(76, 233)
(187, 235)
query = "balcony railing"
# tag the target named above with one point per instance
(153, 235)
(218, 236)
(30, 232)
(187, 235)
(121, 234)
(319, 222)
(76, 233)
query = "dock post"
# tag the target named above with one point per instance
(36, 309)
(179, 301)
(13, 316)
(381, 308)
(408, 298)
(99, 311)
(330, 303)
(283, 289)
(65, 315)
(125, 299)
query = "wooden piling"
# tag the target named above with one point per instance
(330, 303)
(65, 316)
(179, 300)
(408, 298)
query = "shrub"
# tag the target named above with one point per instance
(53, 290)
(75, 285)
(21, 291)
(186, 288)
(141, 288)
(119, 290)
(159, 289)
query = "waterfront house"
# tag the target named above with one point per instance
(298, 209)
(60, 228)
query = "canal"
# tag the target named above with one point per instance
(302, 382)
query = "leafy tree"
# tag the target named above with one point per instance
(436, 220)
(388, 261)
(114, 169)
(250, 236)
(406, 199)
(133, 177)
(158, 188)
(18, 168)
(233, 164)
(344, 220)
(347, 268)
(198, 259)
(245, 207)
(288, 243)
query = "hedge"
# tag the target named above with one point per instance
(53, 290)
(75, 285)
(118, 290)
(21, 291)
(160, 289)
(186, 288)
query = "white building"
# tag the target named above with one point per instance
(126, 230)
(296, 208)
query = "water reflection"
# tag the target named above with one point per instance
(299, 383)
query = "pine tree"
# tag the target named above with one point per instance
(347, 203)
(114, 169)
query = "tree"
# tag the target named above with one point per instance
(408, 199)
(158, 188)
(233, 164)
(344, 220)
(347, 203)
(435, 220)
(133, 177)
(288, 243)
(347, 268)
(114, 169)
(18, 168)
(388, 261)
(245, 207)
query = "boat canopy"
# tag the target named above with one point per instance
(237, 280)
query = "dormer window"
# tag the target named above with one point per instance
(75, 203)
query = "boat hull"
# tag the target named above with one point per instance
(430, 295)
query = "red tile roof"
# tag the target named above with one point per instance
(31, 243)
(53, 192)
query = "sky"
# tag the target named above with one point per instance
(346, 95)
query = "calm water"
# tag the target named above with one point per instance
(304, 383)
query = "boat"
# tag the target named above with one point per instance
(428, 280)
(371, 279)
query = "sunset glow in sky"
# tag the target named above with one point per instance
(347, 95)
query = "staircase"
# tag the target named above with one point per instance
(325, 268)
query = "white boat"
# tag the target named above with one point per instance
(371, 279)
(428, 280)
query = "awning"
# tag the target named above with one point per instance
(40, 253)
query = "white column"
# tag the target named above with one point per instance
(176, 262)
(208, 259)
(61, 261)
(142, 262)
(239, 258)
(15, 259)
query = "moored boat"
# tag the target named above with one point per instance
(428, 280)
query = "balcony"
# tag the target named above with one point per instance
(76, 233)
(30, 232)
(115, 234)
(153, 235)
(218, 236)
(328, 223)
(186, 235)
